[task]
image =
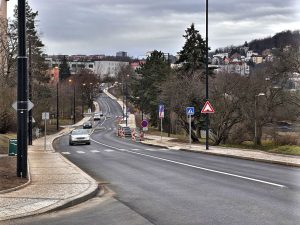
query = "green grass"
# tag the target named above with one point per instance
(4, 141)
(287, 149)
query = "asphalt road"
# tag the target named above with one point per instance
(169, 187)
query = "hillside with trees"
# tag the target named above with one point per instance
(278, 41)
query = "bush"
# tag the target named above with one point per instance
(286, 139)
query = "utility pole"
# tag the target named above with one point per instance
(206, 68)
(22, 103)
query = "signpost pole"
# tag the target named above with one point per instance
(190, 129)
(160, 129)
(45, 133)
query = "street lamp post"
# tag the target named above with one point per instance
(91, 101)
(206, 78)
(57, 107)
(22, 103)
(126, 104)
(74, 103)
(255, 117)
(82, 100)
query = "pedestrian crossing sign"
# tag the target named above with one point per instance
(190, 111)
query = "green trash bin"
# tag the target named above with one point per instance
(12, 149)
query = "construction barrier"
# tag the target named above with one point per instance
(133, 137)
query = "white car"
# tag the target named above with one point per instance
(79, 136)
(97, 116)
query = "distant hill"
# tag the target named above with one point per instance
(279, 40)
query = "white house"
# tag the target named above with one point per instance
(108, 68)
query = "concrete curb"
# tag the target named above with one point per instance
(243, 157)
(229, 156)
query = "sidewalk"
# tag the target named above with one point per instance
(254, 155)
(54, 183)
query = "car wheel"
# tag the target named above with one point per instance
(88, 143)
(71, 143)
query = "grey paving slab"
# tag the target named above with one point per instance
(54, 183)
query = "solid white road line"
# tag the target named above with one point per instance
(196, 167)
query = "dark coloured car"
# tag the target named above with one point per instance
(127, 131)
(88, 125)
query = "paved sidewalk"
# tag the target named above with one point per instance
(54, 183)
(255, 155)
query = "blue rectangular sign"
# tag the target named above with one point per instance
(161, 111)
(190, 111)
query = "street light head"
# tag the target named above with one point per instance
(261, 94)
(83, 84)
(70, 80)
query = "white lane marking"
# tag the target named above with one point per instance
(109, 150)
(94, 151)
(80, 152)
(135, 149)
(151, 149)
(196, 167)
(66, 153)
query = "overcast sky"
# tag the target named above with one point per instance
(138, 26)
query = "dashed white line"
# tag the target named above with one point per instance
(151, 149)
(109, 150)
(80, 152)
(94, 151)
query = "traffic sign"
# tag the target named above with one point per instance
(161, 111)
(29, 106)
(190, 111)
(144, 123)
(207, 108)
(45, 116)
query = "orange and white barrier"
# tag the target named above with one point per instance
(133, 137)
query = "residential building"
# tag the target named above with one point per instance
(121, 54)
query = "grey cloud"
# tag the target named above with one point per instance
(104, 26)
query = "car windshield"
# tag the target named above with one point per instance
(79, 131)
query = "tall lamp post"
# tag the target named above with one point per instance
(82, 100)
(57, 107)
(91, 100)
(206, 78)
(255, 116)
(74, 103)
(126, 104)
(22, 103)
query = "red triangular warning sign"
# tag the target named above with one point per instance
(207, 108)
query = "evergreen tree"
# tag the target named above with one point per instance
(193, 53)
(64, 69)
(148, 86)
